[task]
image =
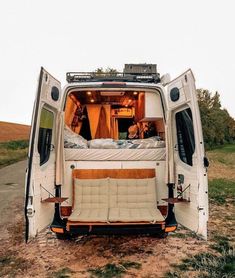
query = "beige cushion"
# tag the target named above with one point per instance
(132, 193)
(135, 215)
(115, 200)
(91, 193)
(89, 215)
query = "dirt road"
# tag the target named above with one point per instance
(11, 190)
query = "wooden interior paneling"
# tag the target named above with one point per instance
(113, 173)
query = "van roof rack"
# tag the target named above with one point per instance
(146, 73)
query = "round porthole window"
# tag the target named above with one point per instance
(174, 94)
(55, 94)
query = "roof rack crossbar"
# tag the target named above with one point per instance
(113, 76)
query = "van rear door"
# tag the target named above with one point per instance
(40, 174)
(186, 154)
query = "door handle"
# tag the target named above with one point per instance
(206, 162)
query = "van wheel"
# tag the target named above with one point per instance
(161, 234)
(63, 236)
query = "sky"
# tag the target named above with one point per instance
(75, 35)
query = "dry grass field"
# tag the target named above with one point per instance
(13, 142)
(181, 254)
(13, 132)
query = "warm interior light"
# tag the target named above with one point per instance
(92, 100)
(112, 94)
(88, 93)
(135, 93)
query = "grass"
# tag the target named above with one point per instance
(62, 273)
(225, 149)
(113, 270)
(13, 151)
(208, 265)
(220, 190)
(184, 235)
(222, 244)
(11, 265)
(219, 261)
(224, 155)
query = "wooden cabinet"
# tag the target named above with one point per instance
(149, 107)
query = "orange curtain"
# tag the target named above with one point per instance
(93, 111)
(102, 128)
(114, 128)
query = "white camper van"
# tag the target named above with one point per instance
(116, 153)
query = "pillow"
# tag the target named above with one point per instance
(73, 140)
(102, 144)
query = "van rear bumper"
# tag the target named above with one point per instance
(117, 230)
(112, 229)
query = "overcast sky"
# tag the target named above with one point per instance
(75, 35)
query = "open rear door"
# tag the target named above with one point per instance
(40, 174)
(186, 154)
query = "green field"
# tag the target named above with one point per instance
(13, 151)
(219, 259)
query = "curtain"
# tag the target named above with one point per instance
(114, 128)
(93, 112)
(102, 130)
(60, 149)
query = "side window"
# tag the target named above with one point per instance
(45, 135)
(185, 135)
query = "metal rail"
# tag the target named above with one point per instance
(113, 76)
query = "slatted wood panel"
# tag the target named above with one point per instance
(113, 173)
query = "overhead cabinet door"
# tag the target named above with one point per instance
(186, 154)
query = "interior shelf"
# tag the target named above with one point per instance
(54, 200)
(175, 200)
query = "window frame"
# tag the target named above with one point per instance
(51, 142)
(176, 140)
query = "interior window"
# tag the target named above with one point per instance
(185, 135)
(45, 135)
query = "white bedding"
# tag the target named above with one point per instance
(115, 154)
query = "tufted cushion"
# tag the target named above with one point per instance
(132, 193)
(115, 200)
(135, 215)
(91, 193)
(90, 215)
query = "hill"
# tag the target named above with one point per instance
(12, 131)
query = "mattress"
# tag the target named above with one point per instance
(156, 154)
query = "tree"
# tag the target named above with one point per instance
(218, 126)
(110, 71)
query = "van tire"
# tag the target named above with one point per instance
(161, 234)
(63, 236)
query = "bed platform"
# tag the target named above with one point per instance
(157, 154)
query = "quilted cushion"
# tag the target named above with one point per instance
(89, 215)
(132, 193)
(135, 215)
(91, 193)
(115, 200)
